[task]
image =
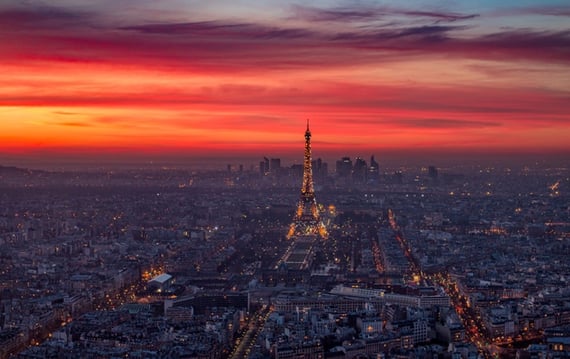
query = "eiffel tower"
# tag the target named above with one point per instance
(307, 221)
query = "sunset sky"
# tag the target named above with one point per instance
(142, 79)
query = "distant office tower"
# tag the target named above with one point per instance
(344, 167)
(264, 166)
(359, 170)
(373, 170)
(307, 219)
(320, 169)
(324, 169)
(275, 164)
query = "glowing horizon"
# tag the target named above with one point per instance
(203, 79)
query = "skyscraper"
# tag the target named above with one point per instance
(359, 170)
(373, 170)
(344, 167)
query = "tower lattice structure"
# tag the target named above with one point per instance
(307, 220)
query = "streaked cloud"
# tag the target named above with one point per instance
(440, 123)
(548, 10)
(364, 13)
(73, 124)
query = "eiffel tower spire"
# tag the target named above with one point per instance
(307, 220)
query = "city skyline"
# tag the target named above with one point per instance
(171, 80)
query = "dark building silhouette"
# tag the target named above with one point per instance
(264, 166)
(344, 167)
(359, 171)
(320, 169)
(373, 171)
(275, 165)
